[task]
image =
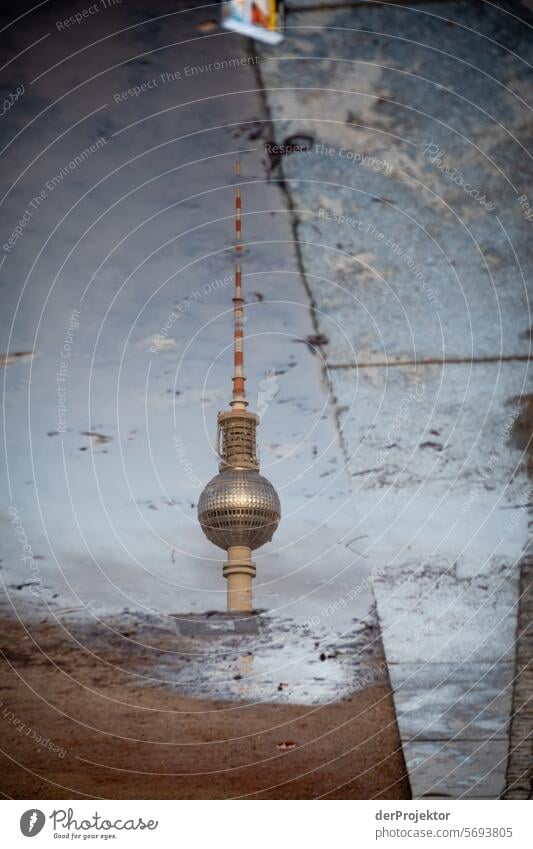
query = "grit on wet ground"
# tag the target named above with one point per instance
(80, 718)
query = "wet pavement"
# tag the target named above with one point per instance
(386, 351)
(266, 659)
(416, 249)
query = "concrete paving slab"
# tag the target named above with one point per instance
(429, 616)
(477, 697)
(519, 784)
(446, 424)
(407, 257)
(446, 770)
(416, 253)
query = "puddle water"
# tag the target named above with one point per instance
(259, 660)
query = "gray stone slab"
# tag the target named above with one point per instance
(441, 500)
(401, 259)
(429, 616)
(417, 251)
(449, 423)
(464, 769)
(461, 701)
(520, 764)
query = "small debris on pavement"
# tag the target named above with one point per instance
(98, 438)
(314, 340)
(6, 359)
(207, 26)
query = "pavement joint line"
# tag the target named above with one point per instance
(457, 740)
(519, 773)
(300, 264)
(432, 361)
(285, 191)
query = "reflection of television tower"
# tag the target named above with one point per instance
(239, 509)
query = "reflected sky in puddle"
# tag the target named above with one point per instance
(280, 661)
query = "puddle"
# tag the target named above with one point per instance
(255, 659)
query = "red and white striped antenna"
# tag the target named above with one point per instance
(238, 401)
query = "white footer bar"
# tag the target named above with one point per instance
(267, 824)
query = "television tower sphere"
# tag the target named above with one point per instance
(239, 507)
